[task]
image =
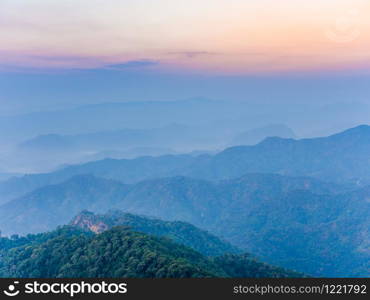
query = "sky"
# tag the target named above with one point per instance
(201, 48)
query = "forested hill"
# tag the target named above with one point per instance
(180, 232)
(118, 252)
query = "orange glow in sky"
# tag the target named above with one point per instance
(222, 36)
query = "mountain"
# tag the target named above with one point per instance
(56, 204)
(125, 170)
(298, 223)
(6, 176)
(207, 125)
(43, 141)
(307, 118)
(341, 158)
(180, 232)
(129, 153)
(168, 136)
(47, 152)
(93, 117)
(175, 198)
(117, 253)
(257, 135)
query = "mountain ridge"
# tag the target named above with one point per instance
(120, 253)
(180, 232)
(258, 213)
(341, 158)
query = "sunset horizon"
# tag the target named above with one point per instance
(211, 37)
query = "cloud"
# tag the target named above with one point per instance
(19, 62)
(133, 64)
(192, 54)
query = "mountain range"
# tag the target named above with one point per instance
(287, 221)
(173, 136)
(92, 118)
(307, 118)
(300, 204)
(180, 232)
(342, 158)
(257, 135)
(174, 198)
(204, 125)
(46, 152)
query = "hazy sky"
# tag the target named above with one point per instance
(219, 35)
(179, 39)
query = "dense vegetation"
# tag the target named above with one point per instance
(120, 252)
(180, 232)
(246, 266)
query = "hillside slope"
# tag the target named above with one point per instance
(120, 252)
(299, 223)
(180, 232)
(196, 201)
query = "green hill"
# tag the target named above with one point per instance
(180, 232)
(120, 252)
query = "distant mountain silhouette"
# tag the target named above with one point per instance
(341, 158)
(6, 176)
(119, 139)
(105, 116)
(129, 171)
(47, 152)
(257, 135)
